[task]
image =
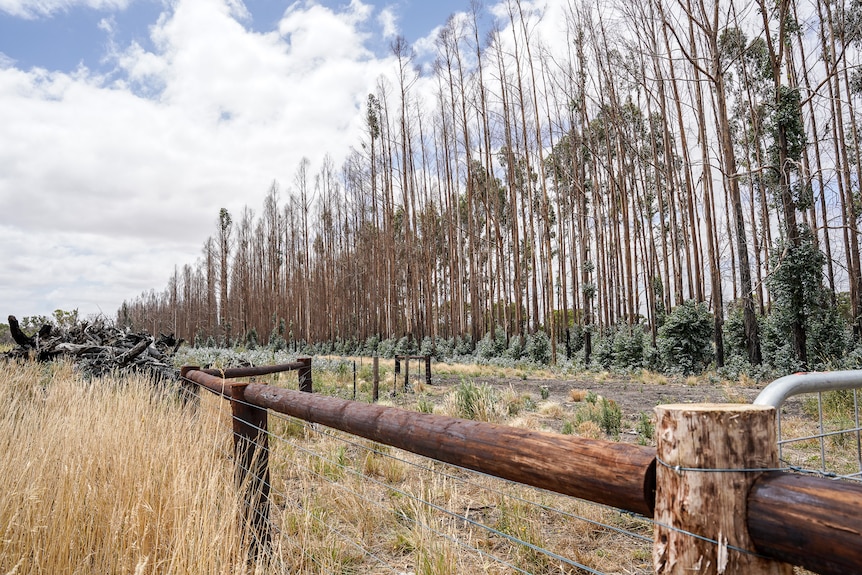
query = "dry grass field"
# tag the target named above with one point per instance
(112, 477)
(107, 477)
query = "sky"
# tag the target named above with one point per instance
(125, 125)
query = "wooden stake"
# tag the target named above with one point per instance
(698, 493)
(375, 393)
(407, 374)
(251, 448)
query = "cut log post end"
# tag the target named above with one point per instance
(708, 457)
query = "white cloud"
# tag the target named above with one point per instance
(31, 9)
(388, 22)
(108, 25)
(74, 274)
(107, 182)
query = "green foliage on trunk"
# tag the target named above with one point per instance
(798, 295)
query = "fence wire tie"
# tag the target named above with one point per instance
(680, 469)
(814, 472)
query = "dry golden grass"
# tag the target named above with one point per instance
(108, 477)
(477, 370)
(733, 395)
(590, 429)
(840, 449)
(650, 377)
(528, 420)
(390, 503)
(603, 376)
(104, 477)
(746, 380)
(551, 409)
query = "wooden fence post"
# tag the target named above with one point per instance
(397, 373)
(375, 392)
(305, 383)
(708, 456)
(251, 446)
(407, 374)
(189, 389)
(427, 370)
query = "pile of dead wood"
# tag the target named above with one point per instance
(98, 348)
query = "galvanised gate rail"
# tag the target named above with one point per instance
(779, 391)
(779, 517)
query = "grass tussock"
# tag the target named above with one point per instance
(551, 409)
(650, 377)
(110, 477)
(470, 400)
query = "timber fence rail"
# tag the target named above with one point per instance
(712, 485)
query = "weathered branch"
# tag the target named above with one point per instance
(19, 336)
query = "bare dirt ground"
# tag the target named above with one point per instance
(635, 394)
(631, 395)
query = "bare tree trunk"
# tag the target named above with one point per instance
(546, 230)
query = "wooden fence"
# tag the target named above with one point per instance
(426, 359)
(713, 476)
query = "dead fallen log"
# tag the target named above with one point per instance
(74, 349)
(128, 356)
(98, 348)
(19, 336)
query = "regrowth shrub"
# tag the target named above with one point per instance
(478, 402)
(605, 413)
(803, 316)
(464, 345)
(492, 345)
(538, 348)
(516, 348)
(628, 348)
(685, 340)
